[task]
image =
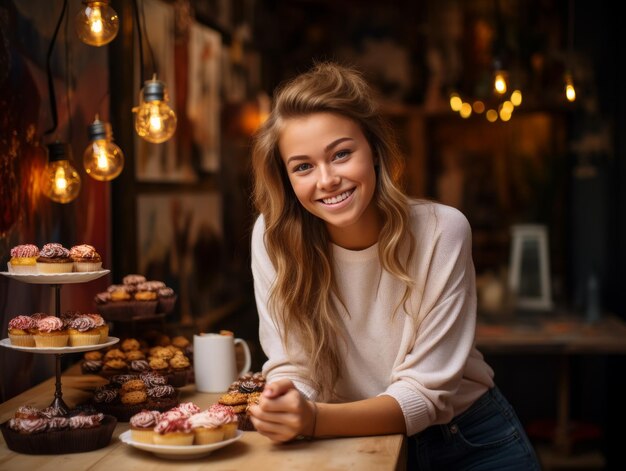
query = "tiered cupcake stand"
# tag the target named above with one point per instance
(56, 281)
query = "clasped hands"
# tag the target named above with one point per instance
(283, 413)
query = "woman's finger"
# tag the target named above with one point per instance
(273, 430)
(278, 388)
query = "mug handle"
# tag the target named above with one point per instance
(246, 352)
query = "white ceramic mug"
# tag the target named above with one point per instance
(214, 362)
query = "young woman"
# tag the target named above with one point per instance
(366, 299)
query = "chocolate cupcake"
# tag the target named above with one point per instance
(167, 300)
(54, 258)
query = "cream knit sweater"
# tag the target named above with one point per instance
(426, 361)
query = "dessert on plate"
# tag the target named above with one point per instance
(50, 333)
(21, 330)
(24, 259)
(54, 258)
(85, 258)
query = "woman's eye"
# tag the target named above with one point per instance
(342, 154)
(301, 168)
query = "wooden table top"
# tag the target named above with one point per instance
(548, 333)
(252, 451)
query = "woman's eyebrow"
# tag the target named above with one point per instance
(336, 142)
(333, 144)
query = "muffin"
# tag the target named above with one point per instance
(24, 259)
(114, 354)
(242, 393)
(85, 258)
(50, 332)
(54, 258)
(159, 365)
(114, 310)
(114, 367)
(179, 370)
(206, 427)
(133, 279)
(129, 344)
(119, 293)
(126, 395)
(133, 355)
(142, 425)
(227, 418)
(133, 385)
(21, 330)
(134, 398)
(101, 325)
(138, 366)
(173, 432)
(152, 285)
(82, 330)
(180, 342)
(162, 396)
(144, 303)
(91, 367)
(105, 395)
(167, 300)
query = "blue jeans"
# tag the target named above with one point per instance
(487, 436)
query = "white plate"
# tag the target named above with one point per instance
(83, 348)
(56, 278)
(179, 452)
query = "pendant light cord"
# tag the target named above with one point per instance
(53, 102)
(142, 31)
(140, 42)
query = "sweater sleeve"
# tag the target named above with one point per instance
(438, 341)
(279, 364)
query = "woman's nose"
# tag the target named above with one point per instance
(328, 179)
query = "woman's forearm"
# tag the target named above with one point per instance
(375, 416)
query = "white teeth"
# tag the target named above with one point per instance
(338, 198)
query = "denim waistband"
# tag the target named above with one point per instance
(489, 397)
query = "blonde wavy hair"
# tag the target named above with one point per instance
(297, 242)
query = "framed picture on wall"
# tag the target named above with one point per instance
(180, 242)
(203, 100)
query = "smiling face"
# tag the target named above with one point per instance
(331, 169)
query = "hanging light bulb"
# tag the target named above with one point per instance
(570, 91)
(155, 121)
(103, 159)
(499, 82)
(97, 23)
(499, 77)
(61, 181)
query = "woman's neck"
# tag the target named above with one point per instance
(361, 235)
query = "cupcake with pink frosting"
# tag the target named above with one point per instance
(102, 326)
(85, 258)
(24, 259)
(173, 431)
(142, 425)
(227, 418)
(21, 330)
(54, 258)
(207, 428)
(50, 333)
